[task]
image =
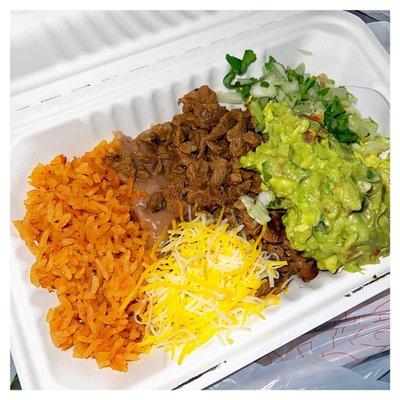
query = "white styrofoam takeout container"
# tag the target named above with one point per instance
(52, 118)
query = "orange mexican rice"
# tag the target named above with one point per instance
(88, 251)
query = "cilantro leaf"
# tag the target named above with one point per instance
(346, 136)
(373, 176)
(235, 63)
(244, 90)
(265, 172)
(306, 86)
(238, 67)
(323, 92)
(248, 58)
(270, 63)
(294, 75)
(228, 79)
(257, 113)
(336, 122)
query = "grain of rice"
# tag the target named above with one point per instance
(88, 251)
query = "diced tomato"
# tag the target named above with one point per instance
(316, 117)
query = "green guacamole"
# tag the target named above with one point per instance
(337, 200)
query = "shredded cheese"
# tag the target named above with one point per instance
(204, 283)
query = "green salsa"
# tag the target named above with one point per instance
(336, 200)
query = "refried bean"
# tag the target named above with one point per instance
(193, 163)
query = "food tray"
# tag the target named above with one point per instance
(59, 44)
(75, 121)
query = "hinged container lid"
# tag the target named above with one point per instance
(75, 120)
(56, 52)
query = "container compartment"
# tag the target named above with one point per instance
(73, 123)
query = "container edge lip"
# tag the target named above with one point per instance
(18, 351)
(355, 21)
(385, 55)
(76, 102)
(28, 381)
(31, 377)
(17, 345)
(21, 84)
(198, 384)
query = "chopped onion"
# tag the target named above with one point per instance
(271, 78)
(280, 96)
(319, 106)
(300, 69)
(230, 97)
(341, 92)
(305, 52)
(305, 108)
(257, 208)
(258, 91)
(291, 87)
(243, 81)
(312, 93)
(352, 98)
(364, 186)
(266, 197)
(281, 71)
(305, 93)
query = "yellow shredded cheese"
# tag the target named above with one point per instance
(204, 283)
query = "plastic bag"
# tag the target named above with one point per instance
(347, 339)
(348, 352)
(310, 373)
(353, 348)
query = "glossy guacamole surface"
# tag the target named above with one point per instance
(337, 201)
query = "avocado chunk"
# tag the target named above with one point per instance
(337, 203)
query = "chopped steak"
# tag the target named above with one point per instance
(276, 230)
(199, 153)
